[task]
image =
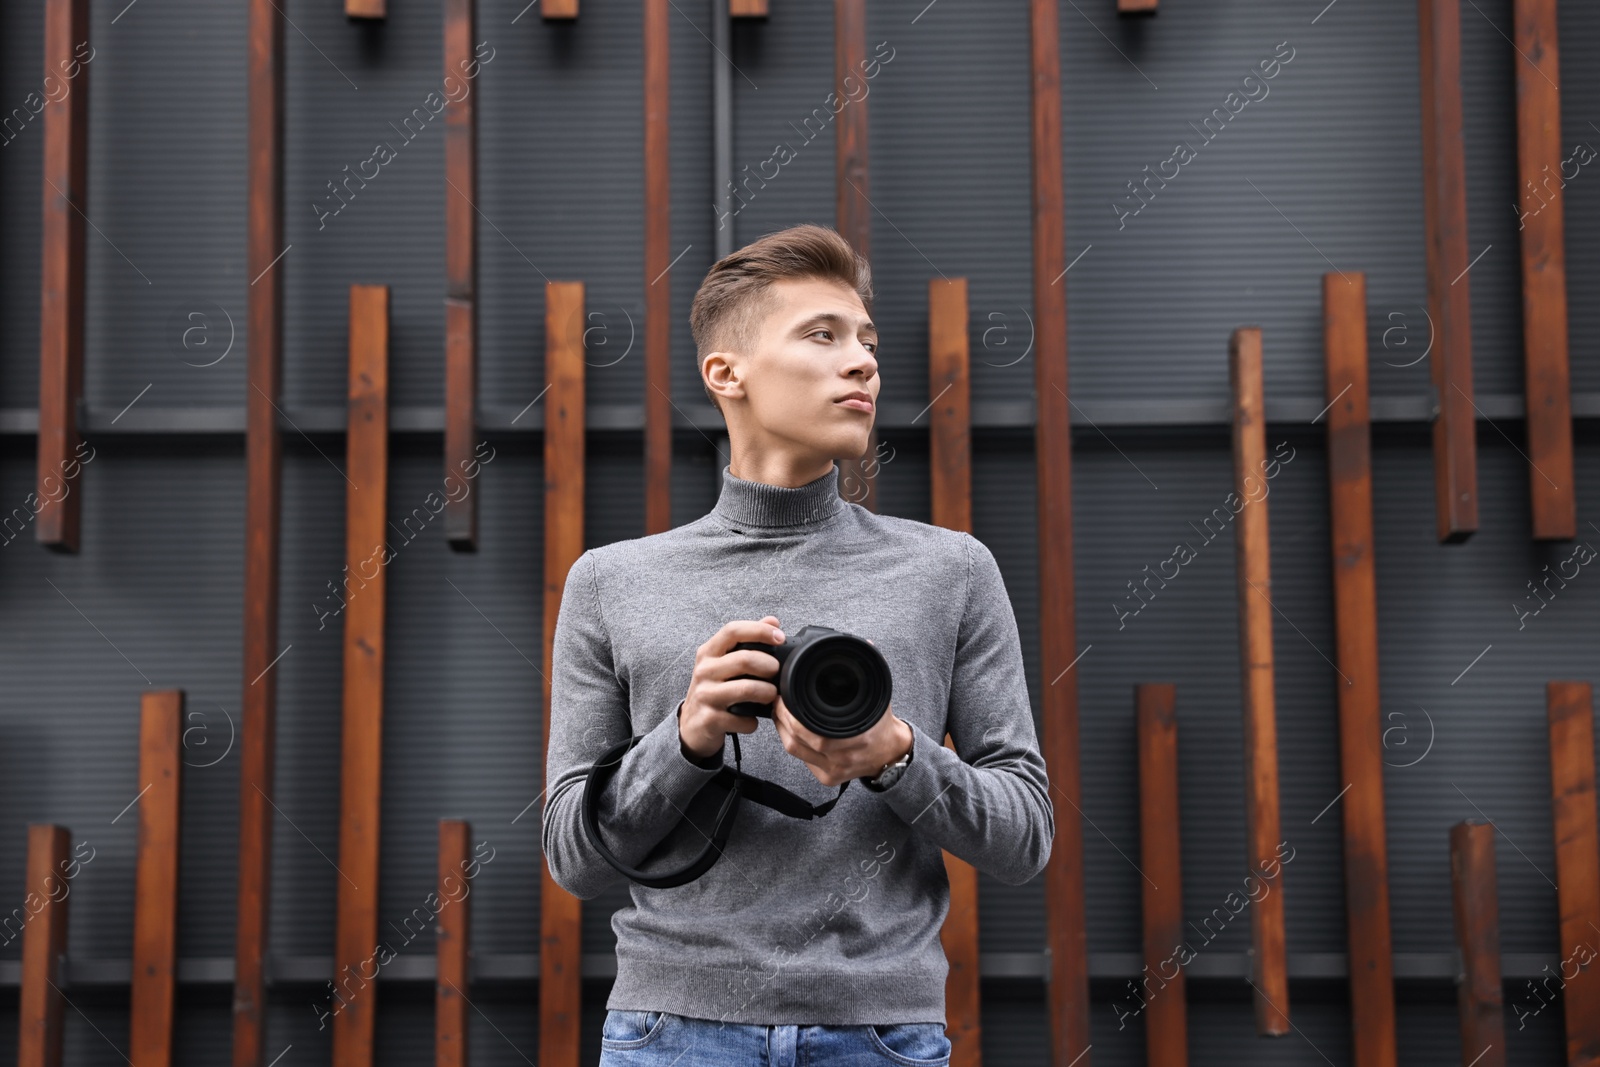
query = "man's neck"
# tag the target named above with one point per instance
(774, 468)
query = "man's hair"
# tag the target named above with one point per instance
(732, 300)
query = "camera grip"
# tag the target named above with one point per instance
(752, 708)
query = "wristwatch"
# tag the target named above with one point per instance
(891, 772)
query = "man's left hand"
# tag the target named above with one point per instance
(838, 759)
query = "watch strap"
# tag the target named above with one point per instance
(889, 773)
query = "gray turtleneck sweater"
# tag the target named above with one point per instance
(833, 920)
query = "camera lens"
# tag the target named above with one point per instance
(843, 686)
(839, 683)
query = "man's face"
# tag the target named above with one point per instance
(815, 347)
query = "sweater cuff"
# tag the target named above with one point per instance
(930, 773)
(668, 768)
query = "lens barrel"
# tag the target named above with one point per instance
(835, 683)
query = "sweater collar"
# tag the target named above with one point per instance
(759, 504)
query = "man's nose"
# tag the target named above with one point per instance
(862, 362)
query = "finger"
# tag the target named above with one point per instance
(742, 661)
(839, 750)
(738, 630)
(729, 723)
(828, 746)
(793, 736)
(719, 696)
(805, 755)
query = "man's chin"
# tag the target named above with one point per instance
(855, 447)
(842, 443)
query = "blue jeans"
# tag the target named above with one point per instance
(660, 1039)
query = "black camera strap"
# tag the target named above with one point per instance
(738, 785)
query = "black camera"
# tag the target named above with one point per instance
(835, 683)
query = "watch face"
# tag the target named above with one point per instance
(886, 777)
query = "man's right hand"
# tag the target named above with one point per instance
(704, 718)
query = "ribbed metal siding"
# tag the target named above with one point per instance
(1335, 146)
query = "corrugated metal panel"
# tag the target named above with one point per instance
(153, 599)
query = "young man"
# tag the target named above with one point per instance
(811, 942)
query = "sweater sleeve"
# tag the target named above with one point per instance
(988, 801)
(589, 713)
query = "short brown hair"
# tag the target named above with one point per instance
(731, 300)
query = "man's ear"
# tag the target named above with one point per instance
(721, 376)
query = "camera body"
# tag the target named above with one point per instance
(835, 683)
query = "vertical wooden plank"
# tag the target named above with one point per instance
(1355, 603)
(552, 10)
(263, 490)
(454, 931)
(1444, 202)
(1477, 922)
(461, 275)
(1269, 964)
(950, 454)
(852, 209)
(155, 893)
(65, 189)
(858, 477)
(560, 930)
(657, 269)
(1571, 713)
(1068, 989)
(1544, 271)
(1166, 1014)
(364, 9)
(950, 412)
(44, 944)
(747, 9)
(361, 753)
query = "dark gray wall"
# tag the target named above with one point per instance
(1324, 172)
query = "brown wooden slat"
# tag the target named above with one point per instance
(1444, 202)
(858, 476)
(452, 948)
(461, 277)
(460, 423)
(747, 9)
(1166, 1010)
(1577, 835)
(61, 262)
(155, 894)
(657, 269)
(1355, 602)
(1253, 561)
(1477, 922)
(558, 9)
(962, 990)
(263, 492)
(1065, 935)
(950, 412)
(1544, 272)
(361, 752)
(950, 455)
(44, 944)
(852, 209)
(560, 913)
(1136, 7)
(364, 9)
